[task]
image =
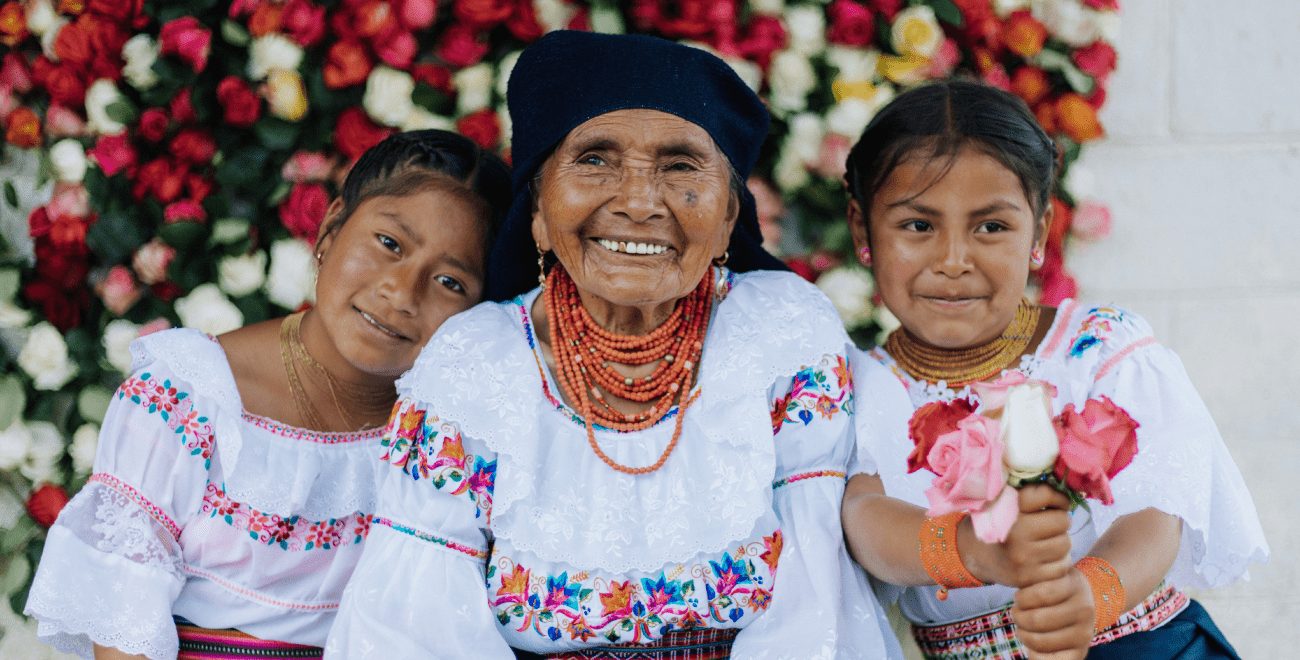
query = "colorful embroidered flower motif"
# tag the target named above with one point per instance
(176, 410)
(1096, 328)
(819, 391)
(408, 445)
(293, 533)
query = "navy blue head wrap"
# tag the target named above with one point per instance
(569, 77)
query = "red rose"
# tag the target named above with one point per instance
(396, 47)
(302, 212)
(523, 22)
(1023, 34)
(45, 503)
(128, 13)
(188, 39)
(15, 74)
(194, 146)
(928, 423)
(61, 307)
(802, 268)
(851, 23)
(1096, 59)
(1030, 83)
(153, 124)
(186, 210)
(461, 46)
(182, 108)
(166, 291)
(889, 8)
(1095, 445)
(346, 64)
(482, 14)
(13, 24)
(437, 77)
(482, 127)
(107, 40)
(1097, 98)
(62, 268)
(265, 20)
(65, 232)
(354, 133)
(645, 14)
(241, 104)
(163, 178)
(417, 14)
(1102, 5)
(690, 21)
(114, 154)
(764, 36)
(64, 83)
(303, 21)
(372, 18)
(198, 186)
(23, 128)
(73, 44)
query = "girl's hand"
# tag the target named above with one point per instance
(1037, 548)
(1054, 619)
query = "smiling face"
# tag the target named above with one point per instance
(951, 256)
(395, 270)
(635, 204)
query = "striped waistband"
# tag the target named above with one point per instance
(704, 644)
(207, 644)
(993, 635)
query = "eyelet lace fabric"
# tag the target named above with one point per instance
(480, 373)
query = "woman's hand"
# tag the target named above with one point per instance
(1054, 619)
(1037, 548)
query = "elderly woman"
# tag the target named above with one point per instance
(649, 449)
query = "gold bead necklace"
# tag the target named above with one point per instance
(958, 367)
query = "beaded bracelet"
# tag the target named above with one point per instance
(1107, 591)
(937, 544)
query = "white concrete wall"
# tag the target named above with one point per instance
(1202, 169)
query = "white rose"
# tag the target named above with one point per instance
(1080, 181)
(769, 7)
(44, 453)
(853, 64)
(504, 69)
(791, 78)
(420, 119)
(14, 443)
(1003, 8)
(11, 509)
(553, 14)
(82, 450)
(51, 34)
(806, 27)
(1069, 21)
(1108, 25)
(849, 117)
(605, 19)
(140, 52)
(749, 72)
(45, 358)
(292, 280)
(118, 335)
(207, 309)
(272, 51)
(1027, 432)
(242, 275)
(68, 159)
(916, 31)
(507, 126)
(849, 289)
(40, 16)
(790, 173)
(473, 88)
(13, 316)
(101, 94)
(388, 95)
(886, 320)
(807, 131)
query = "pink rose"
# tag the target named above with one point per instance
(997, 76)
(851, 23)
(118, 290)
(832, 157)
(304, 209)
(60, 122)
(307, 166)
(396, 47)
(993, 522)
(186, 210)
(1096, 59)
(1091, 221)
(151, 261)
(928, 424)
(417, 14)
(188, 39)
(7, 103)
(968, 462)
(69, 200)
(114, 154)
(461, 47)
(1095, 445)
(15, 74)
(156, 325)
(945, 60)
(303, 21)
(764, 36)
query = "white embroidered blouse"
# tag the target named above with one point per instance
(199, 509)
(1182, 466)
(498, 526)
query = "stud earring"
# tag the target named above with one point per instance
(864, 256)
(1036, 258)
(320, 256)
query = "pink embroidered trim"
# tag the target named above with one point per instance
(1119, 357)
(475, 553)
(1158, 608)
(807, 475)
(1063, 315)
(320, 437)
(253, 595)
(141, 501)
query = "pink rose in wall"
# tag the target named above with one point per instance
(186, 210)
(187, 39)
(302, 212)
(151, 261)
(113, 154)
(70, 200)
(119, 290)
(307, 166)
(303, 21)
(60, 122)
(833, 155)
(396, 47)
(156, 325)
(1091, 221)
(14, 74)
(945, 59)
(417, 14)
(851, 23)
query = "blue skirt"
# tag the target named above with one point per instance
(1191, 635)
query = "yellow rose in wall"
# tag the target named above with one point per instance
(286, 95)
(916, 32)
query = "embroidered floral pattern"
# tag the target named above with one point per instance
(714, 594)
(815, 393)
(1096, 327)
(175, 408)
(292, 533)
(410, 443)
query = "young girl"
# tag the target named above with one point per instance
(950, 205)
(234, 479)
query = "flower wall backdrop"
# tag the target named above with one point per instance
(169, 162)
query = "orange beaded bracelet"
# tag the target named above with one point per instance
(1108, 595)
(937, 544)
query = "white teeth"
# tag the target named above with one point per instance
(632, 248)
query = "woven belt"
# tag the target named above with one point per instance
(703, 644)
(993, 635)
(206, 644)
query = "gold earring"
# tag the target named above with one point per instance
(722, 261)
(541, 268)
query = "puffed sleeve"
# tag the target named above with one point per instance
(1182, 466)
(111, 567)
(419, 589)
(822, 606)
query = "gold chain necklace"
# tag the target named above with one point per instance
(294, 353)
(958, 367)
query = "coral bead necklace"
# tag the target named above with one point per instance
(586, 355)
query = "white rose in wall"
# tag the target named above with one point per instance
(243, 274)
(790, 173)
(82, 450)
(504, 68)
(13, 316)
(853, 64)
(14, 443)
(420, 119)
(769, 7)
(791, 77)
(806, 30)
(807, 131)
(473, 88)
(849, 289)
(272, 51)
(45, 358)
(140, 52)
(506, 124)
(40, 16)
(916, 31)
(1069, 21)
(292, 280)
(118, 335)
(849, 117)
(50, 35)
(553, 14)
(68, 158)
(101, 94)
(388, 96)
(750, 73)
(1003, 8)
(606, 19)
(208, 310)
(43, 455)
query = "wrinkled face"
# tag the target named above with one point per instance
(952, 257)
(635, 204)
(396, 270)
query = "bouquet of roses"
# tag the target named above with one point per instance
(981, 454)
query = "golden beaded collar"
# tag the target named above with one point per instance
(958, 367)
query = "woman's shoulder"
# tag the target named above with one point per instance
(485, 341)
(187, 358)
(781, 302)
